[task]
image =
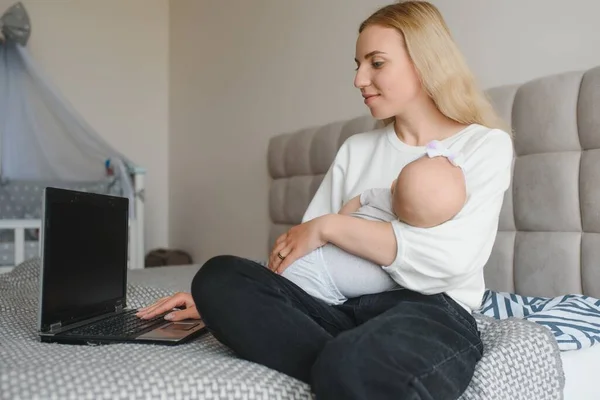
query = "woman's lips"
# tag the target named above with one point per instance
(369, 98)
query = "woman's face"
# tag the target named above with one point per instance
(385, 73)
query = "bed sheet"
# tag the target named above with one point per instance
(581, 373)
(521, 361)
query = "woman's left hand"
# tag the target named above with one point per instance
(296, 243)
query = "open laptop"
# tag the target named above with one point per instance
(83, 278)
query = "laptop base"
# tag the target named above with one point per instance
(170, 334)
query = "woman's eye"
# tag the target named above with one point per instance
(375, 64)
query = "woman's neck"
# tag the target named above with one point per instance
(423, 123)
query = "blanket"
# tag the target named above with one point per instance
(521, 360)
(574, 319)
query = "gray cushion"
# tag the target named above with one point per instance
(548, 242)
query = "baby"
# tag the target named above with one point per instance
(427, 192)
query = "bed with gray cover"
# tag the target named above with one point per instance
(548, 245)
(205, 369)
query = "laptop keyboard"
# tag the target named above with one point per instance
(124, 325)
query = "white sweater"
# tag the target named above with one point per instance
(447, 258)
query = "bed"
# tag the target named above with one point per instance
(548, 246)
(579, 367)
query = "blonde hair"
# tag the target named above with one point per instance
(444, 74)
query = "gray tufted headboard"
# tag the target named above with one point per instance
(548, 242)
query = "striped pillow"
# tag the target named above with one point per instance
(573, 319)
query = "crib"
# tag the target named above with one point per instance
(21, 214)
(45, 142)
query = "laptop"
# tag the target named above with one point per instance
(83, 277)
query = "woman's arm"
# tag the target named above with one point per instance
(329, 196)
(429, 260)
(307, 236)
(371, 240)
(432, 260)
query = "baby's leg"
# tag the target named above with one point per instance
(354, 276)
(310, 274)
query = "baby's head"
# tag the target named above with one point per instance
(428, 192)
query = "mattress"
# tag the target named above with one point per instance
(581, 373)
(206, 369)
(580, 367)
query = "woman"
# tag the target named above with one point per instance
(420, 342)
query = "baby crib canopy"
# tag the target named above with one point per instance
(42, 137)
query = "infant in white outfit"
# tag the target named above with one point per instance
(427, 192)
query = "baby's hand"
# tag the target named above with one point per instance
(435, 148)
(352, 206)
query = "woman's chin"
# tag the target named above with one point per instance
(380, 114)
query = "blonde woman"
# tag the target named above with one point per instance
(420, 342)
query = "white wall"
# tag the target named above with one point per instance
(110, 59)
(243, 71)
(514, 40)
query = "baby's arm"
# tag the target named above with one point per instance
(351, 206)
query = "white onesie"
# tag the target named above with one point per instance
(334, 275)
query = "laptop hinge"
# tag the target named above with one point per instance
(118, 308)
(55, 327)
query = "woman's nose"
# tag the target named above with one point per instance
(361, 79)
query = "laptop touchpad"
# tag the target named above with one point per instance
(180, 326)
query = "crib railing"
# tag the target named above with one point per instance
(18, 226)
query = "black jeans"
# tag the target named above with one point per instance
(393, 345)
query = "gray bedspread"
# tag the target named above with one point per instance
(521, 360)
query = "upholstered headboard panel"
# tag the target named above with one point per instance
(548, 242)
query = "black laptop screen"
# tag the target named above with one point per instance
(84, 255)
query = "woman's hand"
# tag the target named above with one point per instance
(167, 304)
(296, 243)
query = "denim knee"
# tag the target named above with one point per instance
(337, 369)
(209, 282)
(349, 367)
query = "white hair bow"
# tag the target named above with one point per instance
(435, 148)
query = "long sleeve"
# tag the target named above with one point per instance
(442, 258)
(328, 198)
